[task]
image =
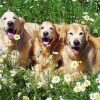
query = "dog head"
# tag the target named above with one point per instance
(75, 35)
(12, 24)
(48, 33)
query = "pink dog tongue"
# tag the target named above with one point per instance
(75, 52)
(45, 43)
(10, 35)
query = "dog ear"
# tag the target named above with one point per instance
(63, 33)
(87, 31)
(22, 21)
(21, 24)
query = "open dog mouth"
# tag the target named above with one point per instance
(46, 41)
(10, 33)
(76, 50)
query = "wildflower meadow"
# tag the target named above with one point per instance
(17, 83)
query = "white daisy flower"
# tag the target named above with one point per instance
(4, 81)
(95, 96)
(77, 89)
(28, 85)
(16, 37)
(98, 80)
(85, 77)
(74, 65)
(55, 79)
(67, 78)
(86, 17)
(40, 84)
(91, 19)
(19, 94)
(49, 98)
(92, 96)
(83, 87)
(87, 83)
(61, 98)
(13, 73)
(25, 98)
(78, 83)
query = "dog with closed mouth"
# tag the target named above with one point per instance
(14, 25)
(78, 46)
(47, 46)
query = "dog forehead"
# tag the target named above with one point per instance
(75, 28)
(47, 24)
(9, 14)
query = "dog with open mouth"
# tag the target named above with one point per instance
(47, 45)
(79, 46)
(14, 25)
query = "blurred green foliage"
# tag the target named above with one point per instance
(56, 11)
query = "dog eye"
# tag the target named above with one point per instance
(14, 18)
(42, 27)
(71, 33)
(51, 28)
(4, 18)
(81, 33)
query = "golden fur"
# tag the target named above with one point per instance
(23, 45)
(87, 53)
(45, 48)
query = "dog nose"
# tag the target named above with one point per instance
(10, 23)
(76, 42)
(45, 33)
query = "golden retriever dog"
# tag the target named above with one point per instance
(14, 25)
(79, 45)
(47, 46)
(95, 41)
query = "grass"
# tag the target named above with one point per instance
(19, 83)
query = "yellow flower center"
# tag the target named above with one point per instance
(67, 77)
(26, 98)
(87, 83)
(78, 89)
(74, 64)
(4, 81)
(17, 36)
